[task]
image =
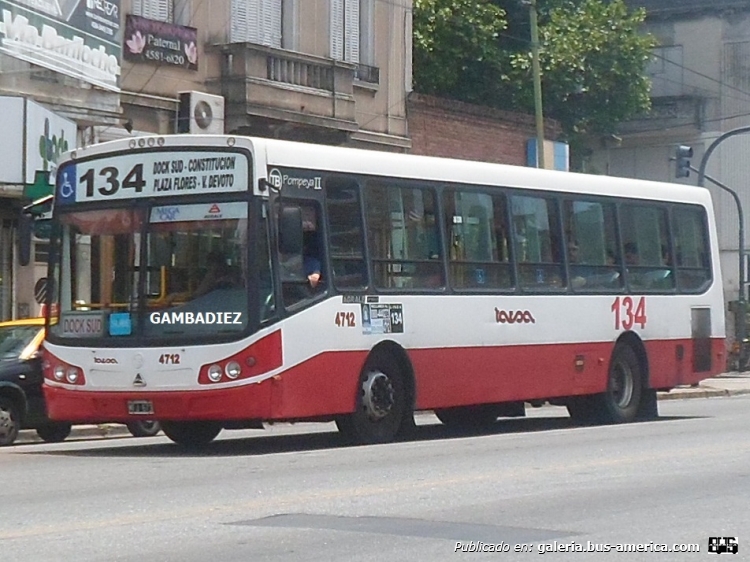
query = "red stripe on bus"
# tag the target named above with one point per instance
(326, 384)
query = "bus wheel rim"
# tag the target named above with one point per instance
(378, 396)
(622, 384)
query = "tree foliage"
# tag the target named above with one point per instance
(456, 48)
(593, 58)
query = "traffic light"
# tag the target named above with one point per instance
(682, 158)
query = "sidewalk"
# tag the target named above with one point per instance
(727, 384)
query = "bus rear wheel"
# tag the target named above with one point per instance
(383, 408)
(621, 401)
(191, 434)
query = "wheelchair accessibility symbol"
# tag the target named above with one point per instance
(66, 186)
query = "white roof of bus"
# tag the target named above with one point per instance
(371, 162)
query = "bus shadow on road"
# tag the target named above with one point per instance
(316, 437)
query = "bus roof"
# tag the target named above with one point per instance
(359, 161)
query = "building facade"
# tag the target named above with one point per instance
(330, 71)
(700, 90)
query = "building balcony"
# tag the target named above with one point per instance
(669, 113)
(285, 94)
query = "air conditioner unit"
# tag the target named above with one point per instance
(200, 113)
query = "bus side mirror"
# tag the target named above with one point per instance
(25, 224)
(290, 230)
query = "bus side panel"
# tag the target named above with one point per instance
(473, 375)
(671, 362)
(323, 385)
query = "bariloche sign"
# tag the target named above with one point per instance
(79, 38)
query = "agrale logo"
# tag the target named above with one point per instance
(513, 317)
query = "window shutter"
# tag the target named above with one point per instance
(337, 29)
(159, 10)
(270, 32)
(238, 29)
(351, 31)
(246, 18)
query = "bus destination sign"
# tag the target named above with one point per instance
(152, 174)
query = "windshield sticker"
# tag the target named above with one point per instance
(120, 324)
(82, 324)
(201, 212)
(382, 319)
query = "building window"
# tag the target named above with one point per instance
(345, 30)
(159, 10)
(256, 21)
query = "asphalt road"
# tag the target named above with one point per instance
(294, 493)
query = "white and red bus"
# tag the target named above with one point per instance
(181, 289)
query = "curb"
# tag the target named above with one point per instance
(701, 393)
(101, 431)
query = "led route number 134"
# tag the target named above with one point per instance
(628, 312)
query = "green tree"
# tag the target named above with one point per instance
(593, 62)
(593, 58)
(457, 53)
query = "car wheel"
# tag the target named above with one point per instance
(10, 421)
(145, 428)
(54, 433)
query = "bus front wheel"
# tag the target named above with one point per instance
(382, 406)
(191, 434)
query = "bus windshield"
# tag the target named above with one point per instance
(166, 271)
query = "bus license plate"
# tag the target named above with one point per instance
(140, 407)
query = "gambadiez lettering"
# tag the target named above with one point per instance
(196, 317)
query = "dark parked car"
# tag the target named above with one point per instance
(21, 400)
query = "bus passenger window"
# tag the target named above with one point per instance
(536, 229)
(404, 237)
(691, 248)
(477, 226)
(590, 231)
(345, 234)
(646, 244)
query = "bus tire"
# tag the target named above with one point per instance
(649, 409)
(383, 408)
(54, 432)
(10, 421)
(191, 434)
(621, 402)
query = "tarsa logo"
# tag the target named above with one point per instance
(514, 317)
(105, 360)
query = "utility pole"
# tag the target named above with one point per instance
(537, 74)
